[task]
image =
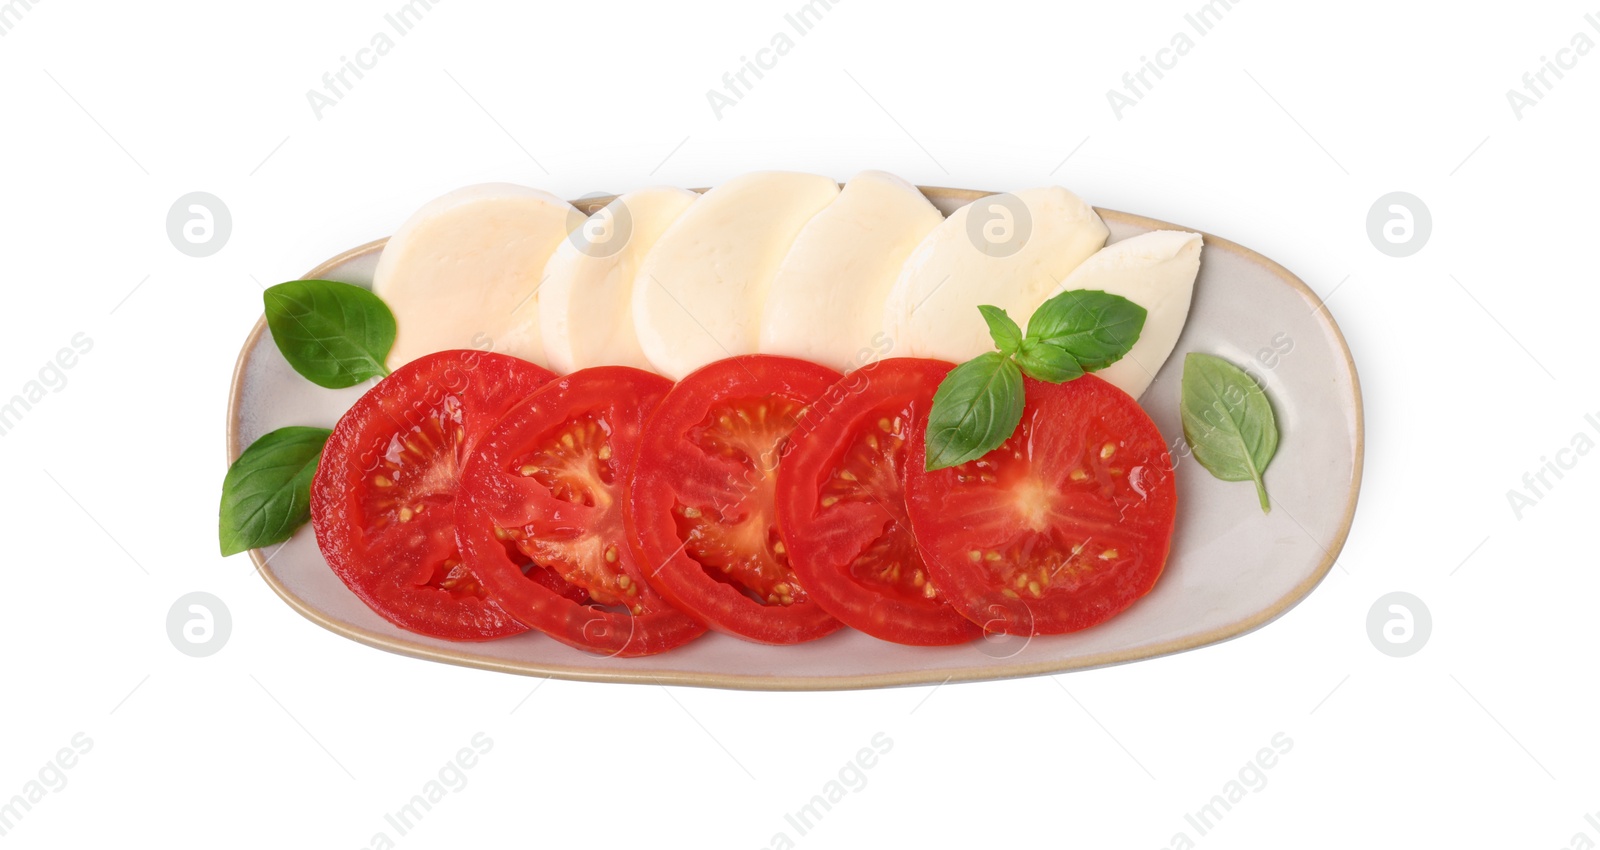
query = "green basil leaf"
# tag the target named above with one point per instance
(1095, 327)
(1005, 333)
(1228, 421)
(976, 407)
(334, 334)
(1042, 361)
(266, 494)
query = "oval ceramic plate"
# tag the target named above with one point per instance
(1232, 569)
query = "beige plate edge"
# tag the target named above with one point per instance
(830, 683)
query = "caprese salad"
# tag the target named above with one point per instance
(773, 410)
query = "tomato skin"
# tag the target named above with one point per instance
(571, 517)
(861, 431)
(1063, 526)
(393, 543)
(706, 476)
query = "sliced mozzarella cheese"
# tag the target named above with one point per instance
(1006, 250)
(826, 299)
(700, 290)
(1155, 270)
(586, 302)
(462, 271)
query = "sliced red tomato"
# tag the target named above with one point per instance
(382, 502)
(1063, 526)
(540, 521)
(842, 506)
(702, 502)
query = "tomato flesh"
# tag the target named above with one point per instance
(540, 516)
(843, 507)
(382, 501)
(702, 503)
(741, 544)
(1064, 525)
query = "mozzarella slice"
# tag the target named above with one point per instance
(699, 292)
(1006, 250)
(826, 299)
(586, 302)
(1155, 270)
(462, 271)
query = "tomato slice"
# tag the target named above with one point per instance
(383, 497)
(540, 521)
(842, 506)
(1063, 526)
(702, 502)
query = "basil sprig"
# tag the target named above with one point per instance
(978, 405)
(267, 492)
(335, 334)
(1228, 421)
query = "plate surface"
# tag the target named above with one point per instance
(1232, 569)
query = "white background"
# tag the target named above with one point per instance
(1279, 130)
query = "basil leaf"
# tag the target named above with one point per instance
(1005, 333)
(1228, 421)
(1042, 361)
(1095, 327)
(977, 406)
(267, 492)
(334, 334)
